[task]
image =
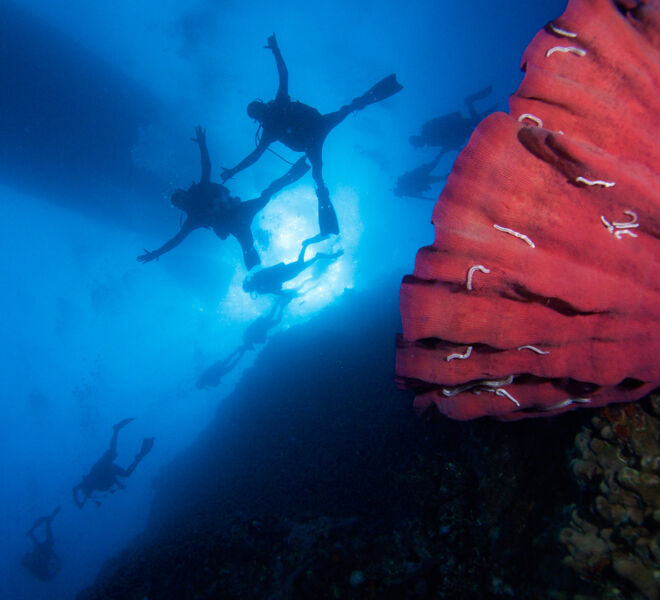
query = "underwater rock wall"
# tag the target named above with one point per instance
(317, 480)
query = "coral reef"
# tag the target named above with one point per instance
(614, 539)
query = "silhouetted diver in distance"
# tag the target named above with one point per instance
(41, 561)
(256, 333)
(451, 131)
(103, 475)
(269, 280)
(415, 182)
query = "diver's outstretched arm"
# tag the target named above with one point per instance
(49, 530)
(200, 140)
(30, 532)
(167, 246)
(282, 71)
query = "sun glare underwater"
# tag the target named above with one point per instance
(99, 106)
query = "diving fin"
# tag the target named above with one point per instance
(480, 95)
(383, 89)
(328, 223)
(123, 423)
(147, 445)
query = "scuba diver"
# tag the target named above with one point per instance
(451, 131)
(270, 279)
(212, 376)
(42, 562)
(211, 205)
(415, 182)
(103, 475)
(256, 333)
(302, 128)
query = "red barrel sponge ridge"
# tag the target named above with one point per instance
(541, 291)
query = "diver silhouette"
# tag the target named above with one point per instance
(211, 205)
(451, 131)
(42, 562)
(302, 128)
(415, 182)
(266, 281)
(103, 475)
(256, 333)
(212, 376)
(269, 280)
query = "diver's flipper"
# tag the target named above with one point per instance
(328, 220)
(480, 95)
(123, 423)
(471, 99)
(383, 89)
(147, 445)
(328, 223)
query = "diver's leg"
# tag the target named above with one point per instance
(385, 88)
(115, 433)
(328, 255)
(331, 120)
(234, 357)
(147, 445)
(327, 217)
(246, 240)
(49, 531)
(278, 310)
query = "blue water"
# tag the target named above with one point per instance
(96, 117)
